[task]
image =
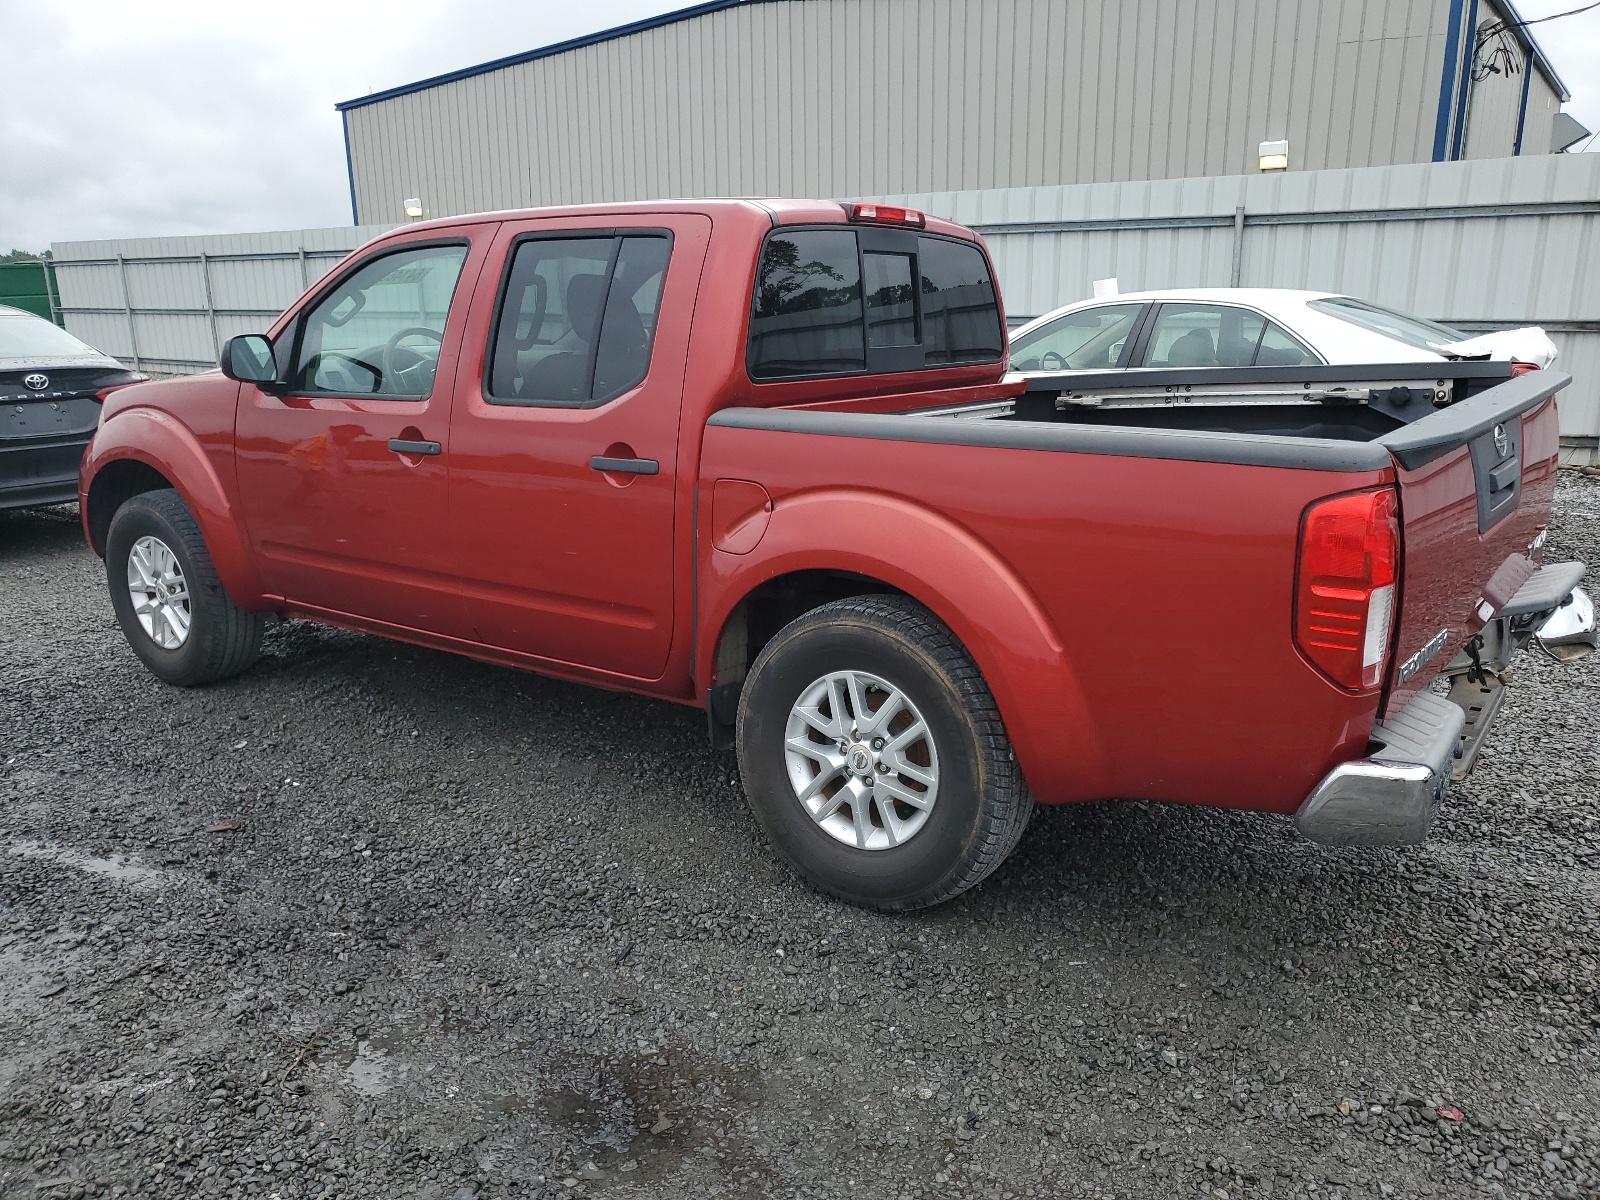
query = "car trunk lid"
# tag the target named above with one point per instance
(54, 401)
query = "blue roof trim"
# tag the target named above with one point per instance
(1522, 106)
(577, 43)
(350, 170)
(1447, 81)
(1458, 140)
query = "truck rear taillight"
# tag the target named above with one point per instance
(1344, 610)
(885, 214)
(1522, 368)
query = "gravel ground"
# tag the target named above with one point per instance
(373, 921)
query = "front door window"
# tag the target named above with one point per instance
(1087, 340)
(378, 333)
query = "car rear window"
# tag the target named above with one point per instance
(825, 303)
(34, 337)
(1402, 327)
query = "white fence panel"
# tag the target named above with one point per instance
(166, 305)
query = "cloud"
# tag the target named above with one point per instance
(1572, 45)
(189, 116)
(192, 116)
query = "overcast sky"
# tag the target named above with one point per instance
(197, 116)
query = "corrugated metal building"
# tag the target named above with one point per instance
(868, 97)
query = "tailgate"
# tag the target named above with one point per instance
(1476, 481)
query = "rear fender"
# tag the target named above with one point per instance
(963, 582)
(163, 443)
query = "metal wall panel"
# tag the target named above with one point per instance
(1478, 244)
(1538, 129)
(854, 97)
(1494, 104)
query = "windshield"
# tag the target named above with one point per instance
(32, 337)
(1402, 327)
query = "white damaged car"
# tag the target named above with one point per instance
(1244, 327)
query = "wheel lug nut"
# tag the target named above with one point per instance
(877, 743)
(883, 768)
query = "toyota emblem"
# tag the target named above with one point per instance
(1502, 443)
(36, 382)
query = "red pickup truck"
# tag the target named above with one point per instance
(763, 458)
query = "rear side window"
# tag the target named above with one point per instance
(578, 318)
(1279, 348)
(848, 301)
(1220, 335)
(1203, 335)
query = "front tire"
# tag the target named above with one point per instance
(874, 757)
(168, 599)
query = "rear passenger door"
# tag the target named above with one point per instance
(564, 439)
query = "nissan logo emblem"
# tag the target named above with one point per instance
(36, 382)
(1502, 443)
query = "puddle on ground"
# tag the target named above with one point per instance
(373, 1071)
(122, 870)
(641, 1115)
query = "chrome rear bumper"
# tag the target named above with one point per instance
(1391, 797)
(1570, 630)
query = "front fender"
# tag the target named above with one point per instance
(163, 443)
(961, 579)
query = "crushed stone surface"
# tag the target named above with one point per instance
(482, 934)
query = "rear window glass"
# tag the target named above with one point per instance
(1402, 327)
(891, 300)
(807, 316)
(34, 337)
(823, 305)
(960, 314)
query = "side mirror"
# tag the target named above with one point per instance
(248, 359)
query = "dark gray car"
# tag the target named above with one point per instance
(51, 388)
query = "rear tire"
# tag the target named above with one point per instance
(923, 797)
(182, 626)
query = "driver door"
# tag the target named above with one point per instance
(342, 479)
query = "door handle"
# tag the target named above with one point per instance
(402, 446)
(625, 466)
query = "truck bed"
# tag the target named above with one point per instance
(1158, 541)
(1355, 404)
